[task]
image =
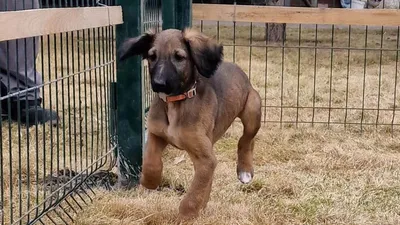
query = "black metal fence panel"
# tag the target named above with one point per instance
(56, 136)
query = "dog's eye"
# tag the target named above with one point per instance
(179, 56)
(152, 56)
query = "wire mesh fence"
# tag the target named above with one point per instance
(151, 21)
(314, 74)
(57, 119)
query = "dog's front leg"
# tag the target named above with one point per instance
(152, 162)
(204, 162)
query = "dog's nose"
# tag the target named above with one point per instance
(160, 82)
(159, 85)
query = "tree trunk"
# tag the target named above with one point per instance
(275, 32)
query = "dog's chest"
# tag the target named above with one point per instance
(175, 137)
(170, 131)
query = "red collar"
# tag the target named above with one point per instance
(174, 98)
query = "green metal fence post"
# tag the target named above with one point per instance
(130, 125)
(168, 14)
(176, 14)
(183, 14)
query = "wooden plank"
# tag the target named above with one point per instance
(296, 15)
(115, 13)
(38, 22)
(213, 12)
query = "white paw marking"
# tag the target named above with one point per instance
(245, 177)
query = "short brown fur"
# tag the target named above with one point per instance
(196, 124)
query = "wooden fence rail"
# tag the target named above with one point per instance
(296, 15)
(38, 22)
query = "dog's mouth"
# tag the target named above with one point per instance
(166, 89)
(157, 88)
(158, 91)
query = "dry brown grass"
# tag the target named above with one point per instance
(303, 176)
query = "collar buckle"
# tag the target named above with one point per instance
(191, 93)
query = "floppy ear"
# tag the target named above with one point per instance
(136, 46)
(205, 52)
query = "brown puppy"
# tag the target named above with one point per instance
(199, 98)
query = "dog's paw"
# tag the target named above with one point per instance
(245, 177)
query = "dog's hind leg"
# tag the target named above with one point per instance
(251, 119)
(152, 162)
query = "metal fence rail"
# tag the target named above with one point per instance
(47, 172)
(314, 74)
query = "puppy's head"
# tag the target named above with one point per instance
(175, 57)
